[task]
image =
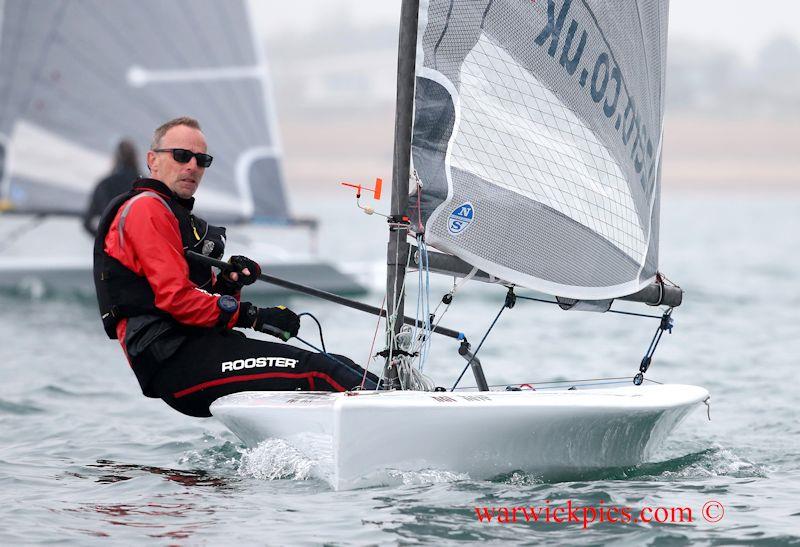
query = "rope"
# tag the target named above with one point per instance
(324, 351)
(423, 326)
(409, 376)
(392, 319)
(609, 311)
(610, 380)
(419, 201)
(372, 347)
(447, 299)
(319, 326)
(328, 355)
(475, 354)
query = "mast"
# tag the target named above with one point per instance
(398, 248)
(5, 181)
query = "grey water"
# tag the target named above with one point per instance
(86, 459)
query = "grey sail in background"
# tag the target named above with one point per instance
(537, 137)
(76, 76)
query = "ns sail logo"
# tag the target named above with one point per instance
(461, 217)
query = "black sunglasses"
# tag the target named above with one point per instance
(181, 155)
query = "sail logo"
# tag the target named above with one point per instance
(461, 217)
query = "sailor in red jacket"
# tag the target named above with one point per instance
(175, 320)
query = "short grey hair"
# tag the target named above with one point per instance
(159, 133)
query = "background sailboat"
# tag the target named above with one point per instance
(76, 77)
(531, 133)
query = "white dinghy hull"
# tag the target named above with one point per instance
(357, 437)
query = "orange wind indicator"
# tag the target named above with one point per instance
(376, 191)
(368, 209)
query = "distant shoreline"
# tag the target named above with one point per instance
(745, 155)
(701, 154)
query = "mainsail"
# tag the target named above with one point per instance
(76, 76)
(537, 137)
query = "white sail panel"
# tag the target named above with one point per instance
(545, 117)
(504, 137)
(49, 158)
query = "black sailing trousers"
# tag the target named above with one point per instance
(214, 364)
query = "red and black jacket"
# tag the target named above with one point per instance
(140, 271)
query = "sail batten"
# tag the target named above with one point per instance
(537, 139)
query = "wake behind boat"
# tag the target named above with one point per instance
(530, 133)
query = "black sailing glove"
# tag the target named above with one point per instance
(281, 318)
(225, 285)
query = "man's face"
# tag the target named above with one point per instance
(181, 178)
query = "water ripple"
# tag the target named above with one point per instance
(22, 409)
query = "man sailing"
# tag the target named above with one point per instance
(173, 319)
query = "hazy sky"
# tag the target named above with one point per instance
(737, 24)
(741, 25)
